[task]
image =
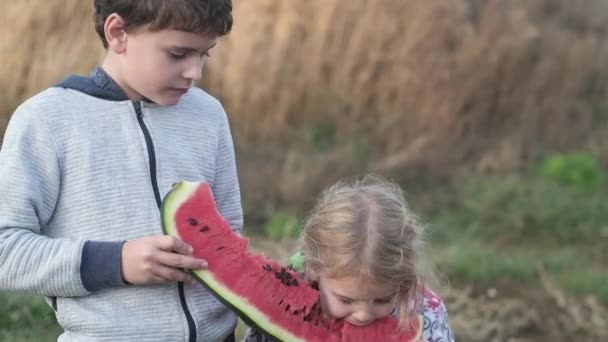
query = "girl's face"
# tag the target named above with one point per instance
(357, 300)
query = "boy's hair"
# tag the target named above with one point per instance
(365, 228)
(212, 17)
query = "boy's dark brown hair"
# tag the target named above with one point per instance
(199, 16)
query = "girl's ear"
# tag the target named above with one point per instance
(311, 274)
(116, 36)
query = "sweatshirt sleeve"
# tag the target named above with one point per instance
(226, 187)
(29, 188)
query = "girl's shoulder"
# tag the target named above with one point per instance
(254, 335)
(431, 301)
(435, 317)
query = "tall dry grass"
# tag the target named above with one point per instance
(424, 85)
(40, 43)
(391, 85)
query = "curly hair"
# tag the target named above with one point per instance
(208, 17)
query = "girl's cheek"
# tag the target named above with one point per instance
(386, 311)
(334, 309)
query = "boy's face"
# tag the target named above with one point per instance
(161, 66)
(357, 300)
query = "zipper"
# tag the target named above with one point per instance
(152, 160)
(151, 153)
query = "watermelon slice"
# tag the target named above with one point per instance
(263, 293)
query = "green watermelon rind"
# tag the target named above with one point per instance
(180, 193)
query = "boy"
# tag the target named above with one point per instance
(85, 165)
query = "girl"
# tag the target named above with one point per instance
(362, 246)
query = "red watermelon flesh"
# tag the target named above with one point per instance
(262, 292)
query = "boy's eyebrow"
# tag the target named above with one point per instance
(190, 49)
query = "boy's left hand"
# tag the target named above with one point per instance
(158, 259)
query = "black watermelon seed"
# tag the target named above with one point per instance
(267, 267)
(204, 229)
(287, 307)
(307, 318)
(193, 222)
(220, 248)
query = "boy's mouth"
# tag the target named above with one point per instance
(180, 90)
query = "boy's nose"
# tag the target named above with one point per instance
(194, 71)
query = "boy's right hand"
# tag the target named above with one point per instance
(158, 259)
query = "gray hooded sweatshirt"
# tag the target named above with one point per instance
(83, 169)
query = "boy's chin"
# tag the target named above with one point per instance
(165, 100)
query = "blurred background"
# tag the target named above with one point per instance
(492, 114)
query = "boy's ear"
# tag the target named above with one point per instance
(116, 36)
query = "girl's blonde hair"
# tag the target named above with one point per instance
(365, 228)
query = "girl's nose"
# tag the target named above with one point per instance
(362, 317)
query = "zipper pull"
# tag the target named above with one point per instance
(138, 110)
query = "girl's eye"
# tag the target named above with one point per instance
(346, 301)
(382, 300)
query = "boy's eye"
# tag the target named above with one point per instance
(182, 55)
(177, 55)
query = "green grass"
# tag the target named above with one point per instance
(26, 318)
(282, 226)
(521, 210)
(480, 264)
(486, 230)
(585, 281)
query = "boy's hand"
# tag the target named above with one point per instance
(157, 259)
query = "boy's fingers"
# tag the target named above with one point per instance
(169, 243)
(175, 260)
(167, 274)
(157, 280)
(190, 280)
(182, 248)
(171, 274)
